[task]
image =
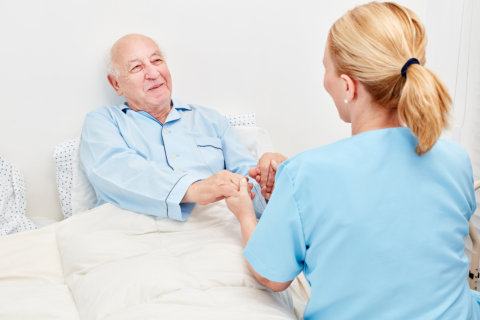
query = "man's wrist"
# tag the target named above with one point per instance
(191, 194)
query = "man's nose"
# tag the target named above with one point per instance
(151, 72)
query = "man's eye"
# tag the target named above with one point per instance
(136, 68)
(157, 61)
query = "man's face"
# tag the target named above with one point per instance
(143, 77)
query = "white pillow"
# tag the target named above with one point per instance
(255, 138)
(76, 193)
(12, 200)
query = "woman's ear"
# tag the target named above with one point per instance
(350, 87)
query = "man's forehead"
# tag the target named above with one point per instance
(139, 58)
(132, 48)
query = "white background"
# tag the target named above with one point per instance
(234, 56)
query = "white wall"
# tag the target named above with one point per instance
(234, 56)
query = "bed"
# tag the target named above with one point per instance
(108, 263)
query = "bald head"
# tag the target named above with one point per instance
(139, 73)
(122, 48)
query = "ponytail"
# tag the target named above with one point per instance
(371, 43)
(424, 106)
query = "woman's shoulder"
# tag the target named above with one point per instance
(451, 152)
(329, 153)
(321, 159)
(449, 146)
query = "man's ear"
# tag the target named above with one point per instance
(350, 87)
(114, 83)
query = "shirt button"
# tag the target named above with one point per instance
(173, 156)
(180, 170)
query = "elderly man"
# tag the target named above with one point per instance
(154, 154)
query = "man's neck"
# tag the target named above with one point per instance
(158, 112)
(162, 114)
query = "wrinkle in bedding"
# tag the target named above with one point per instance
(109, 263)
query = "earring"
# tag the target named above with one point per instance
(346, 101)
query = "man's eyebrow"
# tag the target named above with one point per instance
(133, 60)
(158, 53)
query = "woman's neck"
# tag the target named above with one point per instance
(374, 117)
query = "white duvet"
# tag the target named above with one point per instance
(109, 264)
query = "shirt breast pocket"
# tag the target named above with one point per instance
(210, 149)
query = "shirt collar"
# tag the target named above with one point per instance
(172, 116)
(177, 104)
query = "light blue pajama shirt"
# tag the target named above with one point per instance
(138, 164)
(378, 230)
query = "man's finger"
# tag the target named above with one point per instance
(253, 172)
(271, 178)
(264, 192)
(229, 189)
(274, 165)
(233, 178)
(271, 174)
(264, 167)
(234, 182)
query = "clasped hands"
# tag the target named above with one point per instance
(264, 172)
(221, 185)
(235, 187)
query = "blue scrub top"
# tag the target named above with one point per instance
(378, 230)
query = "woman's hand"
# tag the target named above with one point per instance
(240, 202)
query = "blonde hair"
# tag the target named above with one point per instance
(371, 43)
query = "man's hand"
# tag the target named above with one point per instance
(264, 172)
(217, 187)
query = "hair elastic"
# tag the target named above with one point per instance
(407, 64)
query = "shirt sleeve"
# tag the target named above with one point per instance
(470, 186)
(276, 249)
(123, 177)
(238, 159)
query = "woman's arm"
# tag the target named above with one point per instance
(241, 206)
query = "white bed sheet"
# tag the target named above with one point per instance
(109, 263)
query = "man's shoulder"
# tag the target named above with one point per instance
(207, 115)
(200, 109)
(196, 108)
(106, 111)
